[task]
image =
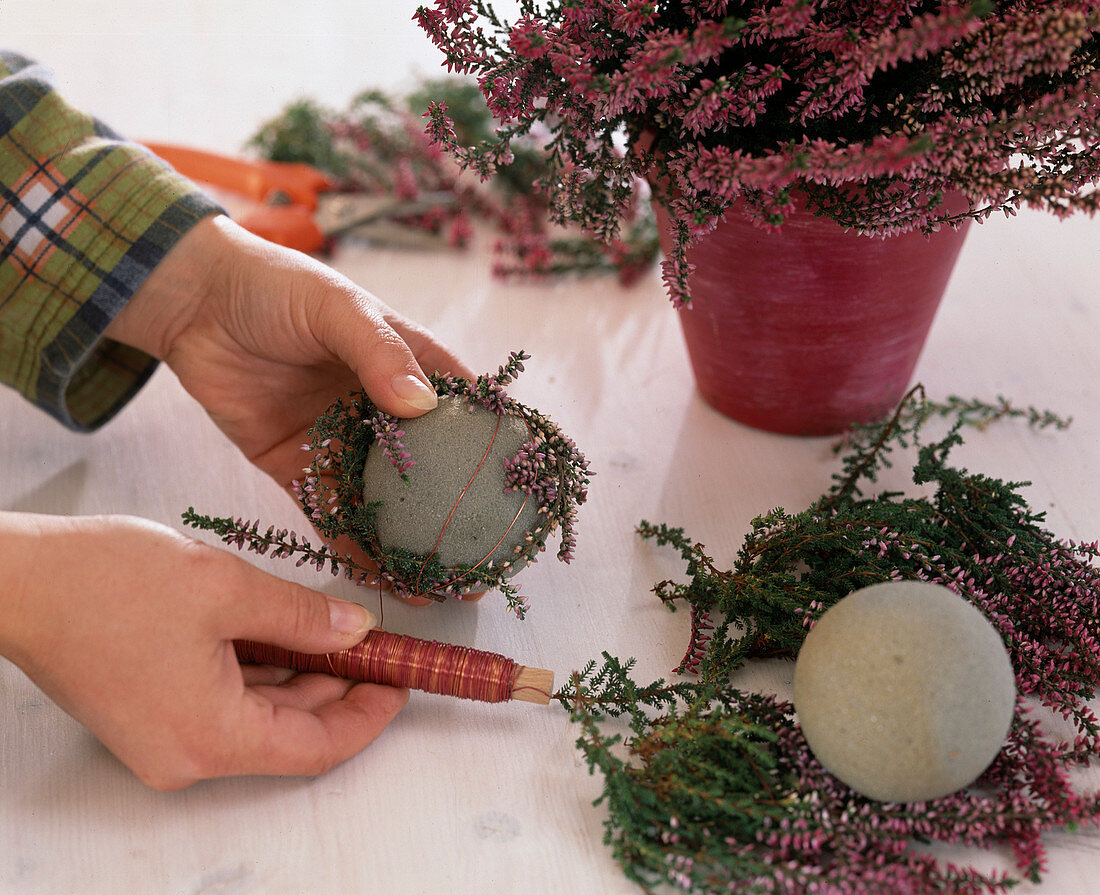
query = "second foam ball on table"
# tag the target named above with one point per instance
(904, 691)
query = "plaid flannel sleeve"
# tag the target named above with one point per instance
(84, 218)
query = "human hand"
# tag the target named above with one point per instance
(266, 338)
(132, 631)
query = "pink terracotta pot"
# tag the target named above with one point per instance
(811, 329)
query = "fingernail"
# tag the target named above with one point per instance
(350, 618)
(411, 389)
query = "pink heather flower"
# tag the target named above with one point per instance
(441, 130)
(455, 10)
(388, 435)
(528, 39)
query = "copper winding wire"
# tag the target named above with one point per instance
(399, 660)
(458, 503)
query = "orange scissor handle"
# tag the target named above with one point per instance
(287, 225)
(258, 180)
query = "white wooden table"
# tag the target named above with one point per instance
(462, 797)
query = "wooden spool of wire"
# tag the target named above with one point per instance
(402, 661)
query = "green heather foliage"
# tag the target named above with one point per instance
(713, 789)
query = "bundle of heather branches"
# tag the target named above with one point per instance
(377, 146)
(717, 790)
(871, 113)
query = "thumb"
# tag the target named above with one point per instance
(282, 613)
(357, 332)
(389, 371)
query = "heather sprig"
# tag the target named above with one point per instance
(387, 436)
(711, 789)
(973, 533)
(488, 390)
(330, 493)
(869, 446)
(279, 544)
(886, 117)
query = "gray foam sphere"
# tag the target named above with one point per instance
(447, 445)
(904, 691)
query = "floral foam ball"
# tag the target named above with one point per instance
(456, 505)
(904, 691)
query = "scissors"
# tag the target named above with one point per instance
(300, 206)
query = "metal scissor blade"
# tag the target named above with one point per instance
(339, 213)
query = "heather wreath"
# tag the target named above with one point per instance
(549, 469)
(872, 112)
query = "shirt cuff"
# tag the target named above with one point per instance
(85, 217)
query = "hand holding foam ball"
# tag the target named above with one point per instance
(454, 501)
(904, 691)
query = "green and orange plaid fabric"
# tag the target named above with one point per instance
(84, 218)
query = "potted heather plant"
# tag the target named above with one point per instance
(815, 163)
